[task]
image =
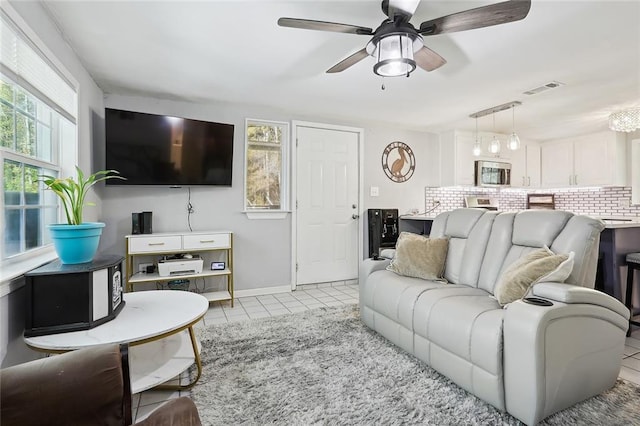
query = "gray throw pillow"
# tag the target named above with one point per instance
(420, 257)
(537, 266)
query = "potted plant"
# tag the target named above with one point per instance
(76, 241)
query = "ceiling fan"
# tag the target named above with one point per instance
(398, 46)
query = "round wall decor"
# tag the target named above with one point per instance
(398, 162)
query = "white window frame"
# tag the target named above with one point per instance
(64, 159)
(285, 191)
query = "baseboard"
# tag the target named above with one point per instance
(261, 291)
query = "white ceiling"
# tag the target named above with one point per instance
(234, 51)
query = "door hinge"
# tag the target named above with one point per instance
(296, 141)
(297, 266)
(296, 204)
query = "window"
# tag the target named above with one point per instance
(266, 168)
(37, 119)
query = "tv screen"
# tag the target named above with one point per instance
(150, 149)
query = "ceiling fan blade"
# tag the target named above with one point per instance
(485, 16)
(405, 8)
(427, 59)
(347, 62)
(308, 24)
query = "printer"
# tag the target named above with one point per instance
(184, 266)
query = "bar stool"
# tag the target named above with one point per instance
(633, 264)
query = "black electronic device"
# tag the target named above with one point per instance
(147, 222)
(150, 149)
(62, 298)
(135, 223)
(142, 223)
(383, 229)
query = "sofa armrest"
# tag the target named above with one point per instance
(175, 412)
(571, 294)
(369, 266)
(86, 386)
(555, 356)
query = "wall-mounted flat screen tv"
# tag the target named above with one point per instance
(150, 149)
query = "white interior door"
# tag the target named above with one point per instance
(327, 205)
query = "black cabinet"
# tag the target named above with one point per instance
(63, 298)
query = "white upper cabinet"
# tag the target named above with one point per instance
(597, 159)
(525, 165)
(457, 159)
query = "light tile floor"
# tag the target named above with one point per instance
(311, 297)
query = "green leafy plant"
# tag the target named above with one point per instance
(72, 191)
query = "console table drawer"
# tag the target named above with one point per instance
(206, 241)
(165, 243)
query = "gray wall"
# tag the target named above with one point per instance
(262, 248)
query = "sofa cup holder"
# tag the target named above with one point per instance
(537, 301)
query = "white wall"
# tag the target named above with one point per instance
(90, 102)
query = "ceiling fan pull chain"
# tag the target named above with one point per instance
(383, 87)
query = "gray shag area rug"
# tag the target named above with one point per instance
(325, 367)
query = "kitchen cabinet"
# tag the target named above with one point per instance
(597, 159)
(457, 159)
(525, 166)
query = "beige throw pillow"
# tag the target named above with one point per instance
(537, 266)
(419, 257)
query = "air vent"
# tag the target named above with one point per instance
(543, 88)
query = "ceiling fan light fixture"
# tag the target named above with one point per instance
(394, 55)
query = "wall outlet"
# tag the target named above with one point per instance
(142, 267)
(374, 191)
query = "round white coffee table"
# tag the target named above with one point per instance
(157, 325)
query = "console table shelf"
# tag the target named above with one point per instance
(211, 246)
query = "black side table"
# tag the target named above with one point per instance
(63, 298)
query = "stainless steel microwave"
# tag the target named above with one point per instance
(492, 173)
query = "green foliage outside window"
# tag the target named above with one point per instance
(264, 166)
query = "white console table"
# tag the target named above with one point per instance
(207, 244)
(158, 325)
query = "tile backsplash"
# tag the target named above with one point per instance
(605, 201)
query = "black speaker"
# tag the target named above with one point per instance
(136, 218)
(147, 222)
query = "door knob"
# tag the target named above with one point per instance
(355, 216)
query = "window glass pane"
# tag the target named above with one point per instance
(49, 198)
(31, 192)
(6, 126)
(12, 230)
(6, 91)
(44, 114)
(25, 101)
(264, 166)
(44, 142)
(49, 215)
(33, 229)
(25, 135)
(13, 183)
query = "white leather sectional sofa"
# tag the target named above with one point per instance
(528, 360)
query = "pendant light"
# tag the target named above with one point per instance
(513, 143)
(477, 149)
(494, 145)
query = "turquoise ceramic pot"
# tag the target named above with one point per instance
(76, 243)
